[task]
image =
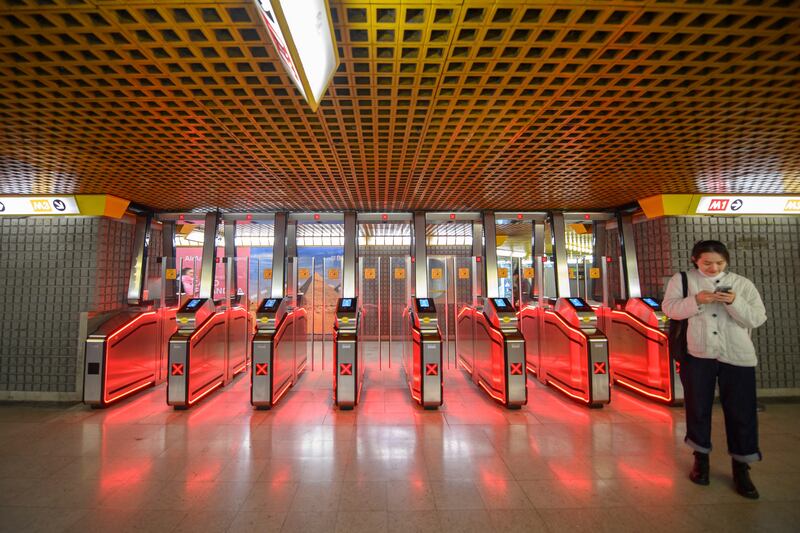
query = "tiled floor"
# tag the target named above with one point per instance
(388, 465)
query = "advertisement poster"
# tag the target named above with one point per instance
(189, 264)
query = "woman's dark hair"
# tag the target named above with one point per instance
(185, 270)
(716, 247)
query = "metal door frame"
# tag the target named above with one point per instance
(388, 218)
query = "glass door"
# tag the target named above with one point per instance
(384, 251)
(320, 246)
(384, 291)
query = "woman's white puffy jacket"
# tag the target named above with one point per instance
(717, 330)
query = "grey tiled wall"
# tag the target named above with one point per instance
(51, 270)
(654, 251)
(114, 255)
(764, 249)
(767, 251)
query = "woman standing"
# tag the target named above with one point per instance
(722, 308)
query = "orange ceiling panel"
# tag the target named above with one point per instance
(450, 105)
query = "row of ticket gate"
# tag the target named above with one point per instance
(566, 343)
(206, 351)
(577, 348)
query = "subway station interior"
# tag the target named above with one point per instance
(355, 265)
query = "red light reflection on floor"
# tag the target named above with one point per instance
(133, 409)
(418, 483)
(115, 469)
(567, 478)
(208, 470)
(549, 405)
(627, 401)
(306, 438)
(492, 481)
(652, 480)
(282, 476)
(114, 474)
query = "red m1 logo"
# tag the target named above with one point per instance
(718, 205)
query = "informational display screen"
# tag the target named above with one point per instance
(579, 304)
(652, 303)
(346, 305)
(269, 305)
(302, 33)
(193, 304)
(502, 304)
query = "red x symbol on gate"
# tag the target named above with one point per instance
(600, 368)
(516, 369)
(262, 369)
(345, 369)
(677, 367)
(177, 369)
(431, 369)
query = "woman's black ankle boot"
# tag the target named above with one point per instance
(742, 482)
(699, 473)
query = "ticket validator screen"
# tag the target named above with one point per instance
(269, 305)
(346, 305)
(651, 302)
(579, 304)
(502, 304)
(425, 305)
(193, 304)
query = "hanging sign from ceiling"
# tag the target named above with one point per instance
(302, 33)
(38, 205)
(719, 204)
(748, 205)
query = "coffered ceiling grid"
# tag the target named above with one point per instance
(696, 86)
(436, 105)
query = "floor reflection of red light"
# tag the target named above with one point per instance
(534, 446)
(130, 410)
(655, 413)
(114, 471)
(129, 474)
(652, 479)
(548, 406)
(281, 476)
(207, 471)
(492, 481)
(569, 480)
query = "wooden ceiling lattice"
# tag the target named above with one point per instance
(450, 105)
